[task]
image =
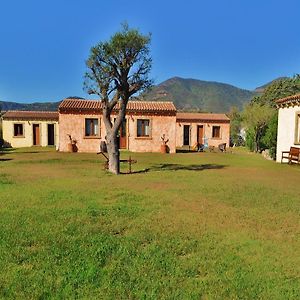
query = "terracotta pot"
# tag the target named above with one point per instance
(163, 148)
(70, 147)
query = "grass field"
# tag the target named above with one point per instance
(195, 226)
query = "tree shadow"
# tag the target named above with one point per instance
(5, 159)
(194, 167)
(178, 167)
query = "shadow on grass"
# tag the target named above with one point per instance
(177, 167)
(185, 151)
(5, 159)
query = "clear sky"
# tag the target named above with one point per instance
(44, 43)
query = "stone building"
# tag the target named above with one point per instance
(145, 123)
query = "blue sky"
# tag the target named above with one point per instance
(44, 44)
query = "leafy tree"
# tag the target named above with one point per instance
(260, 116)
(118, 69)
(256, 118)
(235, 125)
(270, 137)
(279, 89)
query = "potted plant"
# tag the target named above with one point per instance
(72, 144)
(164, 147)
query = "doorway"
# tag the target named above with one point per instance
(123, 135)
(51, 141)
(200, 134)
(36, 134)
(186, 135)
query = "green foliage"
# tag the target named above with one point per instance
(256, 118)
(260, 117)
(279, 89)
(46, 106)
(119, 66)
(250, 139)
(235, 125)
(269, 139)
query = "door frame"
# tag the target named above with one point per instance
(54, 128)
(34, 125)
(189, 134)
(124, 138)
(199, 127)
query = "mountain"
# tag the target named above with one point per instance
(50, 106)
(206, 96)
(187, 94)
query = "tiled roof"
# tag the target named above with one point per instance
(201, 117)
(287, 101)
(132, 106)
(30, 115)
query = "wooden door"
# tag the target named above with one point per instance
(51, 141)
(200, 134)
(36, 134)
(123, 135)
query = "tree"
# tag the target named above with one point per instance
(264, 136)
(235, 125)
(118, 69)
(256, 118)
(279, 89)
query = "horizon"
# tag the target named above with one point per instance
(42, 56)
(89, 97)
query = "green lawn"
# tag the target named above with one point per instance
(195, 226)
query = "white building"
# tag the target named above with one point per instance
(288, 134)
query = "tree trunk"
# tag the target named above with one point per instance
(113, 154)
(257, 141)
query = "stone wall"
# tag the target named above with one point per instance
(74, 124)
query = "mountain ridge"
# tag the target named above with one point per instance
(188, 94)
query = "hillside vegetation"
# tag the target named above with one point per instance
(208, 96)
(46, 106)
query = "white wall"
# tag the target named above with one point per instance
(286, 129)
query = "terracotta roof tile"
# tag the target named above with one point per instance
(291, 100)
(30, 115)
(132, 106)
(201, 117)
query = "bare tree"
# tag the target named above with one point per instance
(118, 69)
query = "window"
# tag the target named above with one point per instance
(216, 131)
(91, 127)
(143, 128)
(297, 131)
(18, 130)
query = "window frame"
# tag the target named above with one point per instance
(23, 130)
(150, 128)
(297, 128)
(212, 132)
(97, 136)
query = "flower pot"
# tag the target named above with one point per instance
(70, 147)
(163, 148)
